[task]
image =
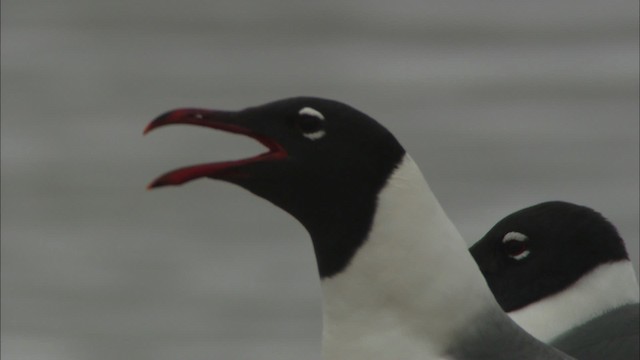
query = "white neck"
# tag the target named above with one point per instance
(410, 287)
(605, 288)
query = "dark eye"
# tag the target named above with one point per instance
(311, 123)
(516, 245)
(514, 248)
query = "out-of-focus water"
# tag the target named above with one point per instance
(503, 104)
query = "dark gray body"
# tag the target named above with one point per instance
(508, 339)
(612, 336)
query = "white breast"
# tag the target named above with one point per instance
(410, 287)
(605, 288)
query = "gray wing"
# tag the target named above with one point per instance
(494, 336)
(612, 336)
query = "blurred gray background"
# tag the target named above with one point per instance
(503, 104)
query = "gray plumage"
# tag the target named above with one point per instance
(509, 342)
(611, 336)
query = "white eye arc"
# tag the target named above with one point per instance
(516, 252)
(514, 235)
(315, 135)
(311, 112)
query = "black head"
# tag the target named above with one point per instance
(325, 166)
(543, 249)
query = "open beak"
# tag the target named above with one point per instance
(222, 120)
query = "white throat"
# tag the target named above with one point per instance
(605, 288)
(410, 287)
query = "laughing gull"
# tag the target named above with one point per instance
(396, 277)
(562, 272)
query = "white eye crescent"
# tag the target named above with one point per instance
(515, 245)
(514, 235)
(311, 112)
